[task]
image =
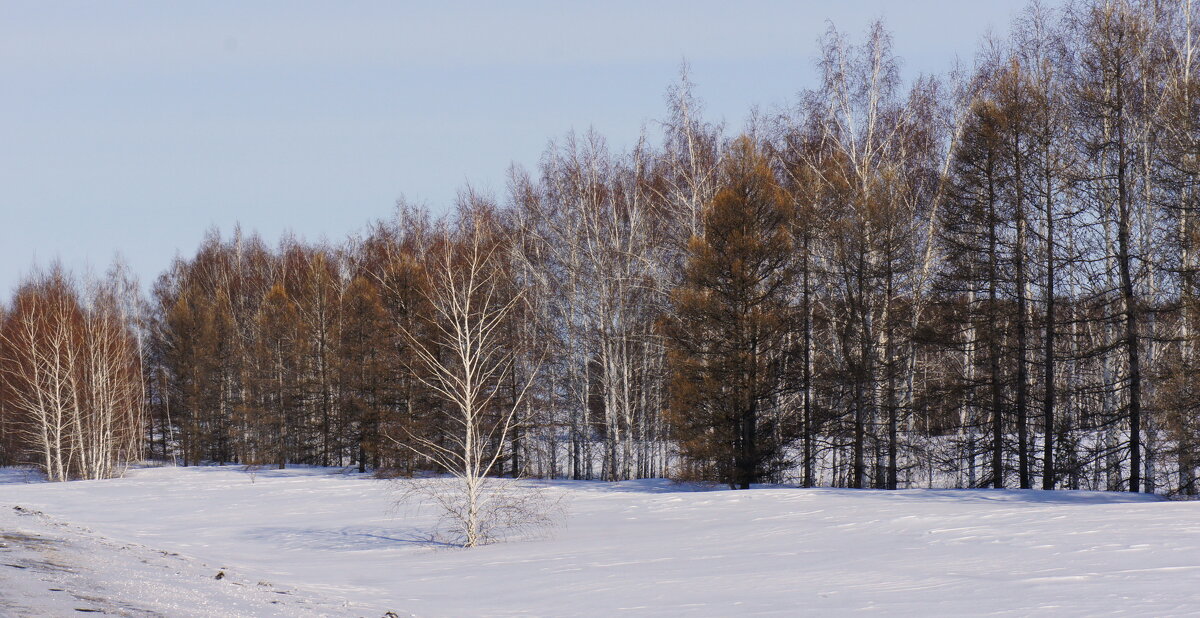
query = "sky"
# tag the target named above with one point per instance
(132, 128)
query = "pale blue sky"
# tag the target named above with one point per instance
(133, 127)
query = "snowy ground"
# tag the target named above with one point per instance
(318, 542)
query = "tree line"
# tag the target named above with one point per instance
(987, 278)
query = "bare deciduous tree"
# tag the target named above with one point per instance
(465, 361)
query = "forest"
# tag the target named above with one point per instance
(987, 278)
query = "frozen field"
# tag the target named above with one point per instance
(319, 542)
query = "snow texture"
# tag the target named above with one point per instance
(314, 541)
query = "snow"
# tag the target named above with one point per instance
(52, 568)
(314, 541)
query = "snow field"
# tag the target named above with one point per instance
(340, 543)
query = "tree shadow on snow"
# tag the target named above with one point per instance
(1008, 496)
(639, 486)
(264, 471)
(350, 538)
(19, 475)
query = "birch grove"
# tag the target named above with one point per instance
(72, 377)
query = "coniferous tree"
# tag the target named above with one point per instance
(732, 318)
(365, 357)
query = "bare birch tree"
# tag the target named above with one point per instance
(465, 361)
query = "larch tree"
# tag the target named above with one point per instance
(1041, 57)
(1111, 107)
(280, 350)
(1179, 165)
(365, 356)
(970, 236)
(731, 322)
